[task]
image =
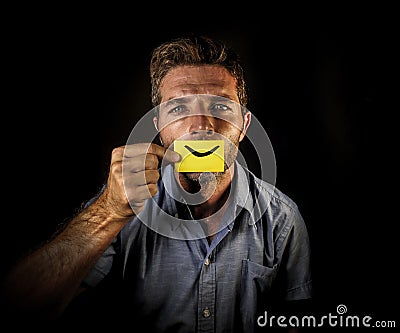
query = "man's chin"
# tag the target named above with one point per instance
(193, 176)
(202, 176)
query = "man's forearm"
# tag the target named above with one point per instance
(44, 282)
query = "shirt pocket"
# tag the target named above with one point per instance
(256, 283)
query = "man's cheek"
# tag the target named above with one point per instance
(168, 136)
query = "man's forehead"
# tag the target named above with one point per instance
(205, 79)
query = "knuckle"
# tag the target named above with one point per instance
(153, 189)
(117, 151)
(152, 159)
(115, 167)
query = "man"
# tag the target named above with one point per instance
(189, 251)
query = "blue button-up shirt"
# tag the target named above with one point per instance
(177, 281)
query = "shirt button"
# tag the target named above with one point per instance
(176, 215)
(206, 312)
(207, 262)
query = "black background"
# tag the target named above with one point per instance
(322, 84)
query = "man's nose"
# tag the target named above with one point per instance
(201, 125)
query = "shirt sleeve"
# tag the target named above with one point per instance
(102, 267)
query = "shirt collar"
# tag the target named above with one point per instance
(241, 196)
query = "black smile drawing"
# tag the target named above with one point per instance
(198, 154)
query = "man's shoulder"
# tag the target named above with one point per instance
(276, 194)
(268, 194)
(267, 188)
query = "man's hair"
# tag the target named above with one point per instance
(194, 50)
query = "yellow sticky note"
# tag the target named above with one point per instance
(200, 155)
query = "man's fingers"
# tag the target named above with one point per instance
(139, 194)
(151, 148)
(141, 162)
(143, 177)
(165, 154)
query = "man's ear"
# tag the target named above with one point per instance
(155, 121)
(246, 124)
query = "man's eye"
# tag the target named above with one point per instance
(220, 107)
(177, 109)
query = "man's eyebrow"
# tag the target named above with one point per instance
(186, 99)
(175, 101)
(221, 99)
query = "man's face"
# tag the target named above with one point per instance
(201, 103)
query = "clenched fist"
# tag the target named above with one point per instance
(133, 176)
